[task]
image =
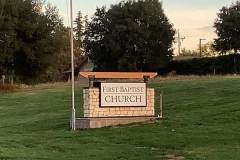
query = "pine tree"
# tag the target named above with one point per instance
(79, 29)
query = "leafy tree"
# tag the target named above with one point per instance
(32, 38)
(95, 43)
(7, 37)
(130, 36)
(187, 52)
(228, 30)
(208, 50)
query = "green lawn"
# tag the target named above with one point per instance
(202, 121)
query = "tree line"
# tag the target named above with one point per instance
(34, 43)
(128, 36)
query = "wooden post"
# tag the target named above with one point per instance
(91, 81)
(11, 79)
(3, 79)
(146, 78)
(161, 105)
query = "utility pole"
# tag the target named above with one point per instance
(72, 62)
(200, 46)
(179, 40)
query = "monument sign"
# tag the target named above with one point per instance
(114, 98)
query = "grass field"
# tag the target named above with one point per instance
(202, 121)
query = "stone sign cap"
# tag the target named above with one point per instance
(119, 75)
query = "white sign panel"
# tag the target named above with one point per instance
(123, 94)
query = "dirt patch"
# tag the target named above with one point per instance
(8, 88)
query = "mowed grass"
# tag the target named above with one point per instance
(202, 121)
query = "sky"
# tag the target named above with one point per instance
(193, 18)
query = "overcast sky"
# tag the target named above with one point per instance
(194, 18)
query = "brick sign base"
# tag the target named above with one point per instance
(96, 116)
(85, 123)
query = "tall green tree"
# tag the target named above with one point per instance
(7, 37)
(32, 38)
(79, 29)
(130, 36)
(228, 30)
(227, 27)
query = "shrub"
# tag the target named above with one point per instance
(203, 66)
